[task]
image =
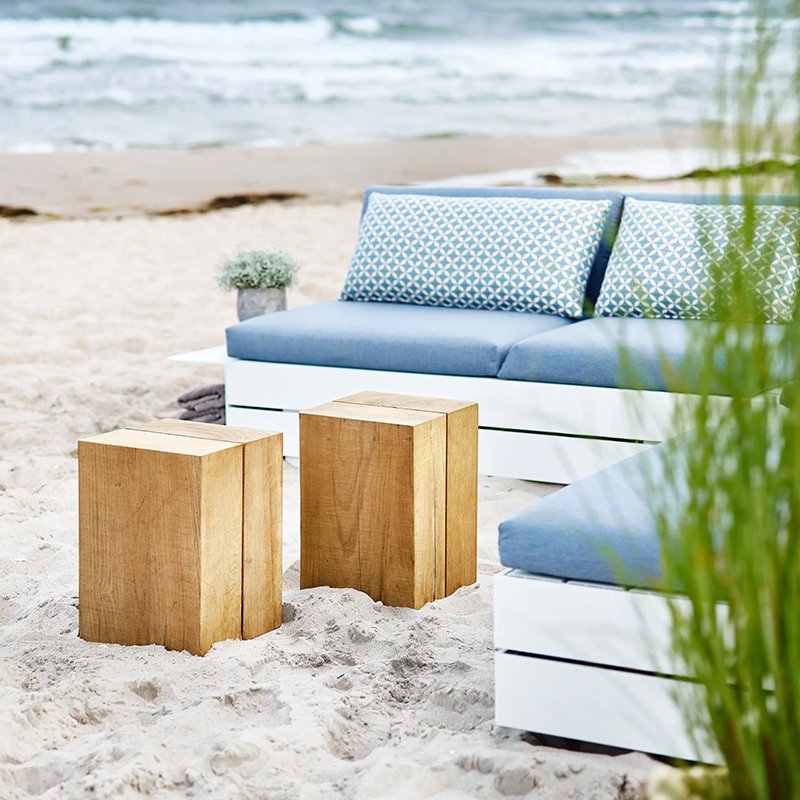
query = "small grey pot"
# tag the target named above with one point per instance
(255, 302)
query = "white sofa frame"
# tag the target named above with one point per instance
(594, 663)
(547, 432)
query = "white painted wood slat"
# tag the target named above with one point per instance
(630, 710)
(509, 454)
(507, 405)
(583, 622)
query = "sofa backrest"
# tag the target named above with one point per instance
(541, 193)
(603, 253)
(662, 262)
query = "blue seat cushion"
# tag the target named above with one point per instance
(626, 353)
(602, 529)
(388, 336)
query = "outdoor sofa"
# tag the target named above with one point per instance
(556, 402)
(563, 314)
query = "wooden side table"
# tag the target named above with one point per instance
(388, 488)
(180, 534)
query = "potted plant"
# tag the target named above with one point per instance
(261, 278)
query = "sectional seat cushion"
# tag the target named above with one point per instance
(602, 529)
(631, 353)
(387, 336)
(669, 258)
(496, 253)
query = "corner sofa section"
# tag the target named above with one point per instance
(584, 615)
(583, 620)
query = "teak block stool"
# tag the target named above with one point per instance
(388, 496)
(180, 534)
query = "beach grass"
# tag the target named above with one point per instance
(736, 546)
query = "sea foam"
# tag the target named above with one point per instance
(235, 74)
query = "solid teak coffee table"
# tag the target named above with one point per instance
(389, 496)
(180, 534)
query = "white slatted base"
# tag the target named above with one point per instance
(535, 431)
(505, 405)
(580, 660)
(583, 622)
(630, 710)
(507, 454)
(548, 458)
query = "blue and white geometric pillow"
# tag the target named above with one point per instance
(668, 260)
(503, 253)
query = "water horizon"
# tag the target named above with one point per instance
(119, 74)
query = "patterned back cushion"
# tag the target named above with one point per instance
(504, 253)
(668, 260)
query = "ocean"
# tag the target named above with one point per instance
(113, 74)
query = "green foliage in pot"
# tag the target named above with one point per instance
(258, 269)
(734, 546)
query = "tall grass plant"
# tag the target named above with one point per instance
(735, 548)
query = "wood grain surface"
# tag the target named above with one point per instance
(180, 534)
(160, 559)
(262, 534)
(461, 549)
(372, 490)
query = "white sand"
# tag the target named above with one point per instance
(348, 698)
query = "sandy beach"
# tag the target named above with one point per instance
(168, 181)
(145, 142)
(349, 698)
